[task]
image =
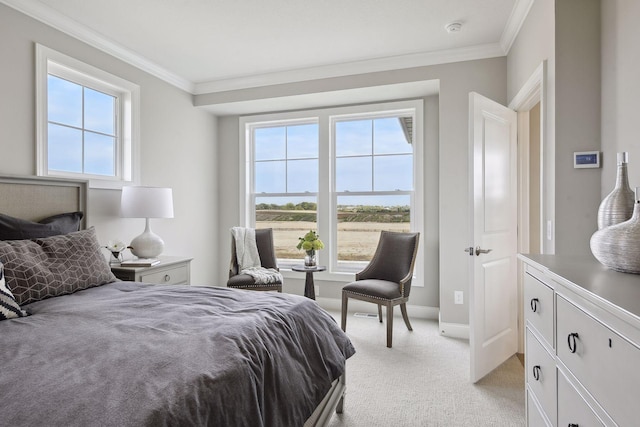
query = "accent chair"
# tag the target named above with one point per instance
(386, 281)
(266, 250)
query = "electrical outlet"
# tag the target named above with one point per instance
(458, 297)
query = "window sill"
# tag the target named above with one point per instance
(108, 185)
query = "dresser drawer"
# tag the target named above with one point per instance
(538, 307)
(541, 375)
(572, 409)
(534, 414)
(604, 362)
(168, 276)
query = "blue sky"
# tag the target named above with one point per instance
(371, 155)
(70, 110)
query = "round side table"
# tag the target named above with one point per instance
(309, 288)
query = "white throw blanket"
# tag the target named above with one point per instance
(249, 258)
(246, 248)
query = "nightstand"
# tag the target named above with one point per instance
(171, 270)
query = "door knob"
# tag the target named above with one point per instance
(482, 251)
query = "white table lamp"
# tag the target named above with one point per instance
(146, 202)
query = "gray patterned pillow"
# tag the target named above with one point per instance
(9, 308)
(42, 268)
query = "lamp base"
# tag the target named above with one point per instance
(148, 244)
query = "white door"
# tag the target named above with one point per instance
(493, 305)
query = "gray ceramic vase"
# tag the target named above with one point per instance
(618, 205)
(618, 246)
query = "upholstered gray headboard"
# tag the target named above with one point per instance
(34, 198)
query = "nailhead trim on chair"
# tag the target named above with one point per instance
(368, 296)
(383, 299)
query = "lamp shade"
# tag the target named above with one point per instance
(146, 202)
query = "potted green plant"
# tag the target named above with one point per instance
(310, 243)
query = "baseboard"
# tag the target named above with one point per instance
(417, 311)
(454, 330)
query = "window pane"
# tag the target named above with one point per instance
(290, 218)
(270, 177)
(99, 112)
(64, 101)
(389, 138)
(270, 143)
(353, 174)
(393, 173)
(353, 138)
(302, 175)
(64, 149)
(99, 154)
(360, 220)
(302, 141)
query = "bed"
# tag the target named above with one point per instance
(136, 354)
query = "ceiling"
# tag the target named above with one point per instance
(205, 46)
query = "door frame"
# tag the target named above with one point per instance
(531, 93)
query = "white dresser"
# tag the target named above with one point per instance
(582, 343)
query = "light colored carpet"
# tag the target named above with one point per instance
(423, 380)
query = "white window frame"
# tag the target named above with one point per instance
(327, 196)
(49, 61)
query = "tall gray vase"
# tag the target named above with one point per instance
(618, 246)
(618, 205)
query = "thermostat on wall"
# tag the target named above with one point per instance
(586, 159)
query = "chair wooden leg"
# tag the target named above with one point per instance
(340, 405)
(389, 325)
(380, 312)
(345, 300)
(403, 309)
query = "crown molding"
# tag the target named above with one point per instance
(53, 18)
(518, 15)
(352, 68)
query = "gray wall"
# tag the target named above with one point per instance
(566, 34)
(178, 147)
(534, 44)
(446, 177)
(577, 122)
(620, 89)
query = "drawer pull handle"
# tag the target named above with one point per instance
(167, 278)
(536, 372)
(534, 304)
(571, 340)
(573, 425)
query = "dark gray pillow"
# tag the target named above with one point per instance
(9, 308)
(19, 229)
(42, 268)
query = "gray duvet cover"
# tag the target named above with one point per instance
(130, 354)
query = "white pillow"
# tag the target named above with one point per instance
(9, 308)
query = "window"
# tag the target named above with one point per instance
(373, 182)
(285, 181)
(346, 172)
(86, 121)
